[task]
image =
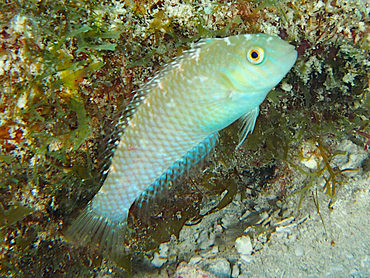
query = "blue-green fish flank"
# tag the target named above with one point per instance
(174, 122)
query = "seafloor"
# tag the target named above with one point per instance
(292, 201)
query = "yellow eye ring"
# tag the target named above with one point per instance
(255, 55)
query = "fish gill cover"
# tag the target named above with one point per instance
(68, 69)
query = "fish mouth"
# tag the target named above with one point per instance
(293, 50)
(291, 55)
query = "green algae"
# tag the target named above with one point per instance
(13, 214)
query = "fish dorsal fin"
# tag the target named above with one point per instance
(169, 178)
(248, 123)
(141, 94)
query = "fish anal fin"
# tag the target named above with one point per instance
(178, 170)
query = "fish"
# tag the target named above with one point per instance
(173, 123)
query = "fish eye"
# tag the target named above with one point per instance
(255, 55)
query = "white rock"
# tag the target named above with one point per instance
(220, 267)
(194, 260)
(309, 157)
(285, 221)
(158, 261)
(365, 262)
(299, 251)
(211, 253)
(245, 215)
(247, 258)
(22, 101)
(337, 267)
(351, 159)
(235, 271)
(286, 87)
(310, 162)
(243, 245)
(286, 229)
(163, 250)
(160, 258)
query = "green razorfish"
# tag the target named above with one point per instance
(174, 122)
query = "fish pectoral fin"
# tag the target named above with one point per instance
(248, 123)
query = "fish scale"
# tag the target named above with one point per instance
(174, 120)
(146, 144)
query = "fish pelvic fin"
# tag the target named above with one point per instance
(100, 233)
(248, 123)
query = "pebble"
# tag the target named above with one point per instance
(211, 253)
(235, 271)
(158, 261)
(365, 262)
(160, 258)
(247, 258)
(219, 267)
(337, 267)
(243, 245)
(194, 260)
(299, 251)
(188, 271)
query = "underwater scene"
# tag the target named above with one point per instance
(185, 138)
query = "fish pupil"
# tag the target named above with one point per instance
(254, 55)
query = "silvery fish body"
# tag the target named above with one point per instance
(181, 110)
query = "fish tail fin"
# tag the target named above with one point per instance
(100, 233)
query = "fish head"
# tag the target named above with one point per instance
(257, 62)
